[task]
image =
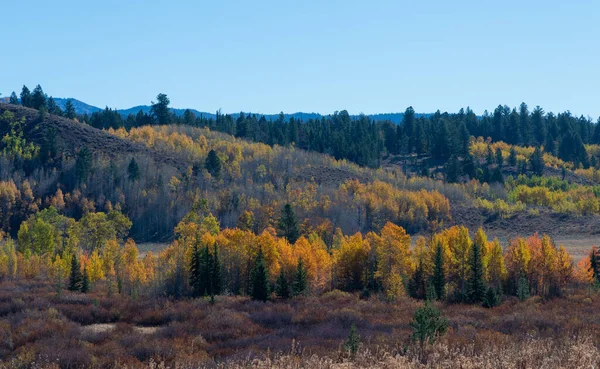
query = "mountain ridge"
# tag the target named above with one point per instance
(84, 108)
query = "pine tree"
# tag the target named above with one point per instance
(489, 158)
(416, 285)
(195, 270)
(353, 342)
(512, 157)
(282, 287)
(428, 324)
(259, 279)
(288, 224)
(160, 109)
(216, 272)
(491, 298)
(75, 278)
(499, 158)
(85, 282)
(14, 99)
(523, 289)
(38, 98)
(25, 97)
(476, 288)
(69, 109)
(133, 170)
(439, 275)
(83, 164)
(536, 162)
(205, 280)
(453, 169)
(300, 279)
(213, 164)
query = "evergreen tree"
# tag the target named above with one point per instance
(69, 109)
(53, 108)
(353, 342)
(512, 157)
(216, 273)
(259, 279)
(205, 281)
(75, 278)
(523, 288)
(288, 224)
(416, 285)
(25, 97)
(489, 158)
(300, 279)
(14, 99)
(160, 109)
(213, 164)
(282, 287)
(38, 98)
(468, 166)
(439, 275)
(499, 158)
(195, 270)
(133, 170)
(491, 298)
(536, 162)
(83, 164)
(428, 324)
(453, 169)
(476, 284)
(85, 282)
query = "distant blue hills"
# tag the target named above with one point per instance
(83, 108)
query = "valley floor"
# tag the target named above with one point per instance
(40, 328)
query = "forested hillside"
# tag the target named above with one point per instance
(280, 229)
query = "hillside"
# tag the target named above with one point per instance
(258, 178)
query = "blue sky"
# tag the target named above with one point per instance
(313, 56)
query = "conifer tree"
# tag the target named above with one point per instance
(476, 288)
(282, 287)
(300, 279)
(38, 98)
(439, 275)
(25, 97)
(195, 270)
(353, 342)
(499, 158)
(133, 170)
(75, 278)
(216, 274)
(512, 157)
(14, 99)
(160, 109)
(85, 282)
(213, 164)
(453, 171)
(288, 224)
(83, 164)
(523, 288)
(536, 162)
(69, 109)
(205, 282)
(259, 279)
(428, 324)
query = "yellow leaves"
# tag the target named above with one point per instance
(350, 261)
(392, 249)
(95, 268)
(495, 270)
(517, 257)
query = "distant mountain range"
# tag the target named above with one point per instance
(83, 108)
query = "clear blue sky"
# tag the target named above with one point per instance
(309, 55)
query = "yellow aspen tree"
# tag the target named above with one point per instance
(496, 270)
